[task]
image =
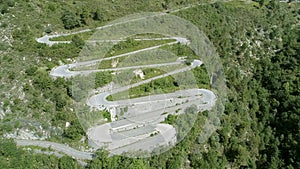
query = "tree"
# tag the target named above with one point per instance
(4, 9)
(261, 2)
(103, 78)
(66, 162)
(106, 114)
(175, 162)
(165, 4)
(8, 148)
(98, 16)
(84, 16)
(100, 161)
(137, 164)
(170, 119)
(70, 20)
(273, 4)
(74, 131)
(48, 29)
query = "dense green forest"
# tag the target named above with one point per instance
(258, 42)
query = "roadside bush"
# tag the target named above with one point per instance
(70, 20)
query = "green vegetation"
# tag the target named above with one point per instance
(5, 5)
(88, 34)
(105, 64)
(147, 35)
(132, 45)
(77, 41)
(170, 119)
(148, 73)
(257, 42)
(70, 20)
(158, 86)
(83, 36)
(248, 136)
(181, 50)
(201, 76)
(137, 60)
(93, 118)
(163, 85)
(259, 128)
(128, 46)
(102, 78)
(74, 131)
(198, 77)
(67, 162)
(106, 115)
(103, 160)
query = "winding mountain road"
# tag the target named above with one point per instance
(100, 99)
(58, 147)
